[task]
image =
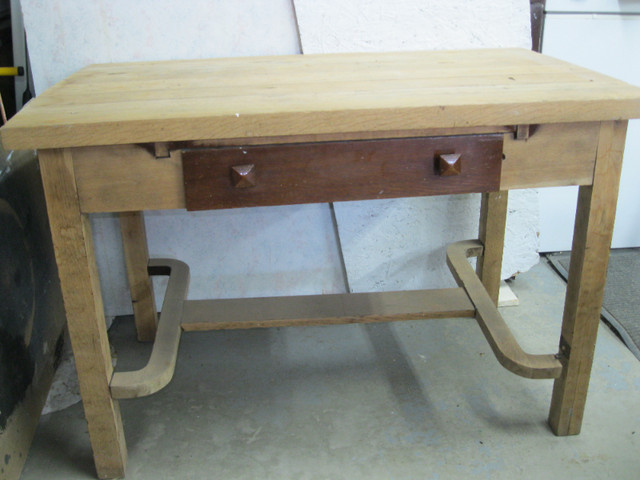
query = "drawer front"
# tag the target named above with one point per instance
(230, 177)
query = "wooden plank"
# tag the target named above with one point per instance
(314, 94)
(338, 171)
(136, 258)
(162, 362)
(279, 79)
(325, 84)
(553, 155)
(334, 309)
(124, 78)
(341, 136)
(496, 331)
(150, 183)
(394, 111)
(85, 314)
(585, 288)
(493, 220)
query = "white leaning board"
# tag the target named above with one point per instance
(247, 252)
(609, 44)
(593, 6)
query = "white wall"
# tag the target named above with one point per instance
(285, 250)
(607, 43)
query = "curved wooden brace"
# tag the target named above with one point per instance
(502, 342)
(159, 370)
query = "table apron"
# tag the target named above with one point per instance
(122, 178)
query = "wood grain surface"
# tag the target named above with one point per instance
(314, 94)
(593, 230)
(71, 234)
(339, 171)
(333, 309)
(554, 155)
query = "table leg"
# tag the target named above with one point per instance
(77, 269)
(585, 288)
(136, 255)
(493, 219)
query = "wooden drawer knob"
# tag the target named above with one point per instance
(243, 176)
(449, 164)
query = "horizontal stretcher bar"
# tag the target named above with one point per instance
(332, 309)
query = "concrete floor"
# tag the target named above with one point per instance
(411, 400)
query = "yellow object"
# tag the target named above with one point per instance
(11, 71)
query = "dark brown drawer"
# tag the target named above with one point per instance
(229, 177)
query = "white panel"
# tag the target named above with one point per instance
(400, 244)
(380, 25)
(65, 36)
(609, 44)
(601, 6)
(557, 214)
(251, 252)
(245, 252)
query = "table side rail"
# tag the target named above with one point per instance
(134, 178)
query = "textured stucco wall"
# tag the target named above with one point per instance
(285, 250)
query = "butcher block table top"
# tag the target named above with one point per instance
(124, 103)
(239, 132)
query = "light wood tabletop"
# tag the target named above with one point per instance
(225, 98)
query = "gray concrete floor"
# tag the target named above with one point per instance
(410, 400)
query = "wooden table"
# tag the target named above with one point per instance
(238, 132)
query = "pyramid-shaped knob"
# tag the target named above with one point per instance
(243, 176)
(449, 164)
